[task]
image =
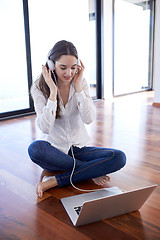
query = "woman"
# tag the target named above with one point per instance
(63, 105)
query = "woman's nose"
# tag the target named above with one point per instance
(69, 72)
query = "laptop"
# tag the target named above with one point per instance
(104, 203)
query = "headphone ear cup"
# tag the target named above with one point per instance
(51, 65)
(78, 62)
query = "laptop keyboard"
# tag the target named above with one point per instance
(78, 209)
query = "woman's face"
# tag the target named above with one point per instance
(65, 68)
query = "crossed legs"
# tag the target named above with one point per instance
(91, 163)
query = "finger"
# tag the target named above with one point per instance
(43, 67)
(43, 73)
(44, 70)
(41, 194)
(79, 69)
(49, 73)
(82, 65)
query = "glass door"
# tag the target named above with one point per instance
(14, 94)
(133, 46)
(70, 20)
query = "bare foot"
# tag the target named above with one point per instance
(101, 180)
(49, 173)
(47, 183)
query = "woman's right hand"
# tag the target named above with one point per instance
(48, 79)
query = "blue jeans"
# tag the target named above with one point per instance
(91, 162)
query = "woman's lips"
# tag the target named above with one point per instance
(67, 78)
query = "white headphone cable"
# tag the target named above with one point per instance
(71, 144)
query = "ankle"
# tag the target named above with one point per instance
(49, 181)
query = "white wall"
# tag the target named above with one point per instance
(156, 73)
(108, 48)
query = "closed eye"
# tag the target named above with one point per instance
(71, 68)
(63, 67)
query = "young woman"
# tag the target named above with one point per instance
(63, 105)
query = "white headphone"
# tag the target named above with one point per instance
(51, 65)
(78, 62)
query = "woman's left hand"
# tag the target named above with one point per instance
(78, 78)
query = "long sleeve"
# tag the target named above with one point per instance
(85, 104)
(69, 129)
(45, 110)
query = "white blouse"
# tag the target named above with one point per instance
(70, 128)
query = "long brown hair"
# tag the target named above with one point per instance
(60, 48)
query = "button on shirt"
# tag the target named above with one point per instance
(70, 128)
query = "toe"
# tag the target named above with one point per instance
(40, 194)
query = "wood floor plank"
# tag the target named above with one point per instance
(99, 229)
(39, 222)
(20, 187)
(129, 123)
(11, 228)
(134, 225)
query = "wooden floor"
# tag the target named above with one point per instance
(129, 123)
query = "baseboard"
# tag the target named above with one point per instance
(156, 105)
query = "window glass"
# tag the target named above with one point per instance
(132, 46)
(52, 21)
(13, 79)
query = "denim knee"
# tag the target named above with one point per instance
(36, 149)
(121, 158)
